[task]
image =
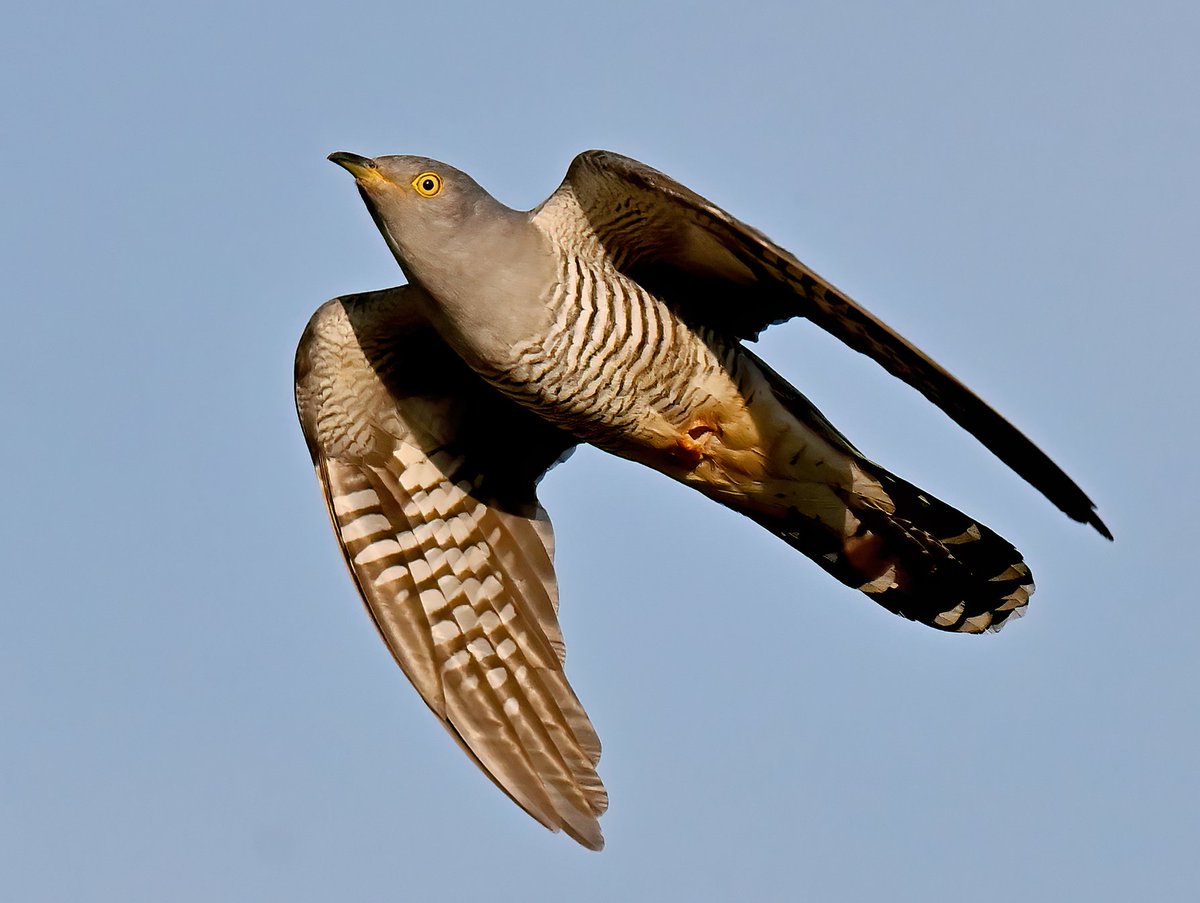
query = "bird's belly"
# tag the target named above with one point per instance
(618, 368)
(685, 403)
(622, 372)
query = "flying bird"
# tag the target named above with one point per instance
(614, 313)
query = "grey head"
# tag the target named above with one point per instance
(482, 263)
(434, 217)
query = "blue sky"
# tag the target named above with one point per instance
(195, 705)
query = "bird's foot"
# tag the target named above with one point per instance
(689, 447)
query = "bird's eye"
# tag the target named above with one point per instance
(427, 184)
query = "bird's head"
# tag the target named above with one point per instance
(429, 212)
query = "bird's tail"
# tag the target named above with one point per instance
(910, 552)
(924, 560)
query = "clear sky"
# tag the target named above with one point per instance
(196, 708)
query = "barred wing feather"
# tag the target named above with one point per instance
(430, 478)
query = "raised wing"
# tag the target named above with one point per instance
(430, 477)
(720, 272)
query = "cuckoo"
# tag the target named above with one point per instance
(614, 313)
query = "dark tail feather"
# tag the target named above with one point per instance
(925, 561)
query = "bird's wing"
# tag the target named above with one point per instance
(429, 476)
(724, 274)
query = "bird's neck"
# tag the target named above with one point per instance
(487, 283)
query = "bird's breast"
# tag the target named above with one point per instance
(616, 366)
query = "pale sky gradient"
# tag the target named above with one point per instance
(195, 706)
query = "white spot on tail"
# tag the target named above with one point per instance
(882, 583)
(1009, 603)
(1013, 572)
(976, 624)
(946, 618)
(968, 535)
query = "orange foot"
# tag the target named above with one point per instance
(689, 447)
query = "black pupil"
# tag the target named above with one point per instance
(427, 184)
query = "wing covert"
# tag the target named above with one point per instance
(430, 478)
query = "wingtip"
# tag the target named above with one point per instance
(1094, 519)
(587, 836)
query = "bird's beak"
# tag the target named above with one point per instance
(362, 168)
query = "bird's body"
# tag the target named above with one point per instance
(613, 314)
(598, 354)
(619, 368)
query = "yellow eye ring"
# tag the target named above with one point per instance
(427, 184)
